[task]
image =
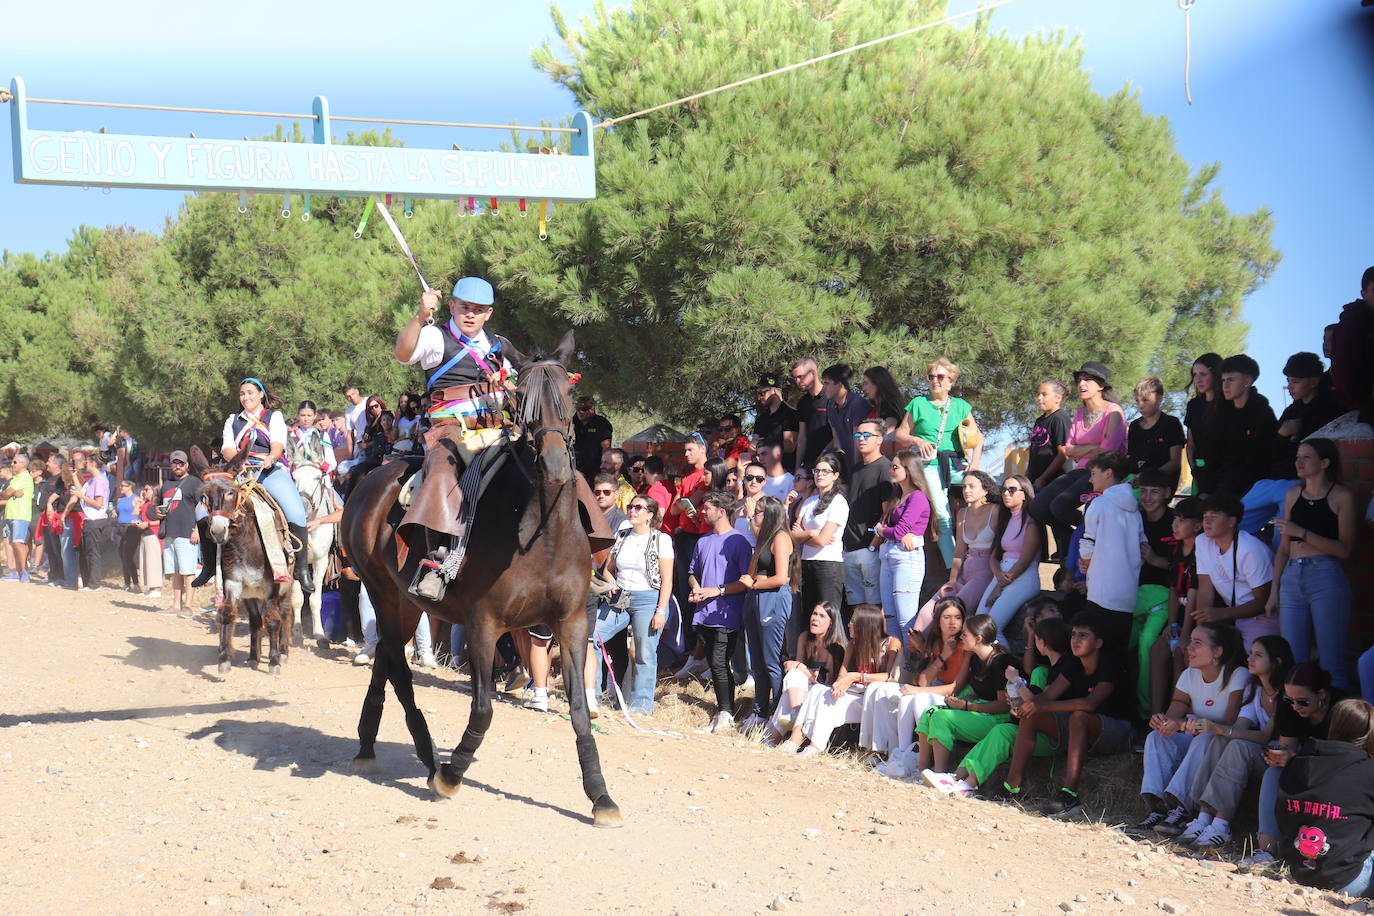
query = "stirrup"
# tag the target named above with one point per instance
(428, 583)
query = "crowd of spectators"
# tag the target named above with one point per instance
(1199, 613)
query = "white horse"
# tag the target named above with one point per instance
(318, 497)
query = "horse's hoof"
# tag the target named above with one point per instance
(223, 667)
(274, 669)
(322, 644)
(608, 817)
(443, 787)
(364, 764)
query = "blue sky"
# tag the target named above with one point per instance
(1283, 95)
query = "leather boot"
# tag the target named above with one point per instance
(304, 575)
(209, 555)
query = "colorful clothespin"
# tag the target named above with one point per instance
(522, 208)
(409, 206)
(243, 201)
(305, 210)
(543, 221)
(286, 206)
(494, 205)
(367, 211)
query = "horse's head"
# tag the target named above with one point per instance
(546, 409)
(220, 497)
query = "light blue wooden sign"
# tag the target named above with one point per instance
(322, 167)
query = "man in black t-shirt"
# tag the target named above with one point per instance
(1095, 721)
(869, 488)
(592, 433)
(813, 434)
(775, 423)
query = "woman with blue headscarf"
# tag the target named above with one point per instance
(260, 430)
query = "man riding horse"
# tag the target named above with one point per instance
(467, 377)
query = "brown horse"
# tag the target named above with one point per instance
(247, 572)
(528, 562)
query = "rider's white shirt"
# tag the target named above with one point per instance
(276, 429)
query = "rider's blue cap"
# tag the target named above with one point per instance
(474, 290)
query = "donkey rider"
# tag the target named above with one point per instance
(467, 375)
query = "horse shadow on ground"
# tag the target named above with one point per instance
(70, 717)
(152, 653)
(308, 753)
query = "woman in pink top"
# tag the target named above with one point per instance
(1098, 426)
(1015, 556)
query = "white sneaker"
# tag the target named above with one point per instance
(539, 701)
(593, 707)
(349, 644)
(721, 722)
(154, 593)
(747, 685)
(1194, 829)
(1213, 836)
(426, 660)
(788, 747)
(364, 656)
(944, 782)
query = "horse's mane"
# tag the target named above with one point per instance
(542, 391)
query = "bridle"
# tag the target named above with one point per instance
(540, 395)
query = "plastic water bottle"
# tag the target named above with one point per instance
(1175, 633)
(1014, 695)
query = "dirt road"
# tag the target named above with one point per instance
(134, 779)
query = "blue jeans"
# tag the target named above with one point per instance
(1020, 590)
(1263, 502)
(1314, 593)
(283, 489)
(765, 626)
(70, 564)
(861, 577)
(367, 615)
(1269, 802)
(1360, 886)
(900, 577)
(638, 616)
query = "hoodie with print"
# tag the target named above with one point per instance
(1112, 535)
(1326, 813)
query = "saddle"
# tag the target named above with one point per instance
(276, 536)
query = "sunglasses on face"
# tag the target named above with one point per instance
(863, 437)
(754, 478)
(1302, 703)
(178, 464)
(936, 376)
(1006, 490)
(637, 469)
(636, 507)
(605, 492)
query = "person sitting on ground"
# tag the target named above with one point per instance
(1303, 712)
(818, 657)
(1213, 687)
(1015, 559)
(1236, 752)
(1326, 805)
(870, 658)
(930, 665)
(1034, 611)
(1061, 679)
(966, 716)
(1095, 721)
(970, 573)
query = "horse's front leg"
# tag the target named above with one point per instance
(254, 607)
(227, 615)
(572, 636)
(481, 651)
(274, 618)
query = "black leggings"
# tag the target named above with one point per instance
(1060, 506)
(720, 646)
(130, 542)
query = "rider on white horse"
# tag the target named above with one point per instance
(310, 457)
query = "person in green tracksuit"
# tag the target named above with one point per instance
(1061, 679)
(977, 706)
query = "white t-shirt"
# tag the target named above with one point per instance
(276, 429)
(778, 487)
(745, 527)
(630, 571)
(356, 418)
(838, 512)
(1210, 700)
(429, 346)
(1255, 711)
(1254, 565)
